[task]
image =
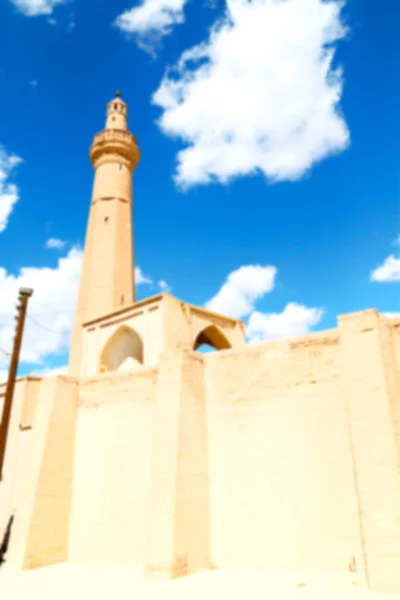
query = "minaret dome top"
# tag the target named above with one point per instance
(117, 113)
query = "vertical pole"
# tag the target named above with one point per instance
(24, 295)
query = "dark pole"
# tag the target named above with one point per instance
(24, 295)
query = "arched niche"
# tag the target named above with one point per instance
(123, 351)
(211, 337)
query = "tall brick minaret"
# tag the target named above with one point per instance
(107, 278)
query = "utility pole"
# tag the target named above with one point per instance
(24, 295)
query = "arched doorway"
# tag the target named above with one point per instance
(209, 339)
(123, 351)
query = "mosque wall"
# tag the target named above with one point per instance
(184, 322)
(38, 471)
(371, 387)
(303, 452)
(282, 455)
(145, 319)
(16, 461)
(112, 468)
(281, 472)
(158, 324)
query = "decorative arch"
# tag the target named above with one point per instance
(123, 351)
(212, 336)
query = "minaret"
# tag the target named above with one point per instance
(107, 278)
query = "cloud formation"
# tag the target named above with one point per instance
(241, 291)
(260, 95)
(34, 8)
(388, 271)
(294, 320)
(9, 193)
(50, 312)
(163, 285)
(55, 244)
(140, 278)
(151, 20)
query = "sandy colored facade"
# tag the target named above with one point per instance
(280, 456)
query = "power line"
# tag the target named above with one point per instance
(47, 328)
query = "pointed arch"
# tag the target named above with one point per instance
(123, 351)
(212, 336)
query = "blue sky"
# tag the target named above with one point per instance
(269, 182)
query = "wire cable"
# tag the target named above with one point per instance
(45, 327)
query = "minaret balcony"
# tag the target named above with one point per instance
(111, 142)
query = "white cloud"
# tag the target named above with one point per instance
(140, 278)
(52, 306)
(242, 289)
(50, 310)
(260, 95)
(151, 20)
(9, 193)
(163, 285)
(294, 320)
(55, 243)
(392, 315)
(388, 271)
(34, 8)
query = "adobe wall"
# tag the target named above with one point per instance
(146, 318)
(112, 468)
(17, 458)
(183, 322)
(179, 506)
(38, 471)
(163, 323)
(372, 390)
(281, 474)
(282, 455)
(304, 452)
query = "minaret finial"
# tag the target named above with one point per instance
(118, 94)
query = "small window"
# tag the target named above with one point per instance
(115, 106)
(122, 299)
(105, 219)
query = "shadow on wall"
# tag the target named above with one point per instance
(123, 351)
(210, 339)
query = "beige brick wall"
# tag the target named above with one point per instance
(372, 397)
(281, 474)
(55, 427)
(179, 511)
(21, 469)
(282, 455)
(112, 469)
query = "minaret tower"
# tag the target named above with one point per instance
(107, 278)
